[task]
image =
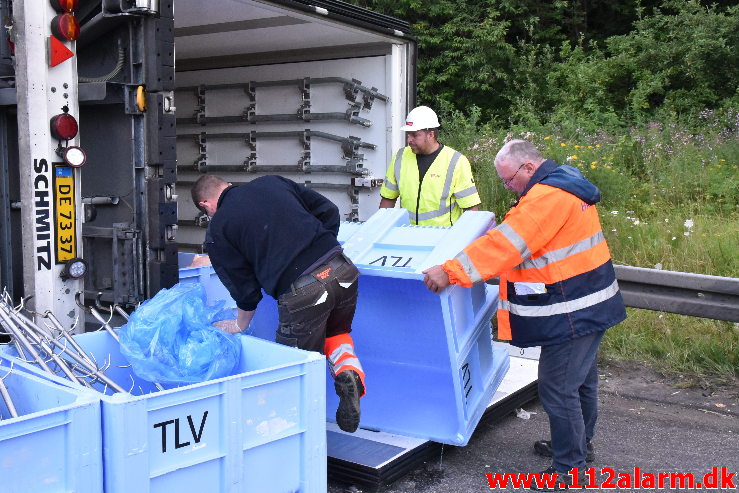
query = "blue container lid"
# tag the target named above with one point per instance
(388, 245)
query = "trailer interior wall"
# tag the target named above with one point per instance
(238, 42)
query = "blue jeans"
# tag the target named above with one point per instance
(568, 390)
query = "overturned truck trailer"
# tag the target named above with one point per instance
(164, 92)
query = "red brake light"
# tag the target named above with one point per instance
(65, 27)
(64, 126)
(65, 5)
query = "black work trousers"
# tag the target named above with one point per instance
(318, 305)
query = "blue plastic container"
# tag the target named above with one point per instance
(205, 275)
(55, 444)
(260, 430)
(431, 368)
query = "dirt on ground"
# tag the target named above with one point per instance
(639, 380)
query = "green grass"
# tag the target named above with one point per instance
(698, 348)
(670, 201)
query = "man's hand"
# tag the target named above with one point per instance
(436, 279)
(387, 203)
(200, 260)
(229, 326)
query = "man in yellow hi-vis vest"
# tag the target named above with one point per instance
(434, 182)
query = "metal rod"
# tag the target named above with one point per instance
(37, 337)
(97, 372)
(97, 315)
(262, 168)
(274, 135)
(121, 311)
(292, 82)
(19, 336)
(101, 200)
(282, 117)
(66, 336)
(23, 328)
(106, 326)
(6, 397)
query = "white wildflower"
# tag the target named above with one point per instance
(687, 233)
(615, 213)
(689, 223)
(674, 238)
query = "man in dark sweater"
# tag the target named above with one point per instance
(274, 235)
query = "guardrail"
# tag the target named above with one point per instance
(684, 293)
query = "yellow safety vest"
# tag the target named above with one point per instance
(445, 191)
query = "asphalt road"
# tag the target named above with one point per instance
(645, 420)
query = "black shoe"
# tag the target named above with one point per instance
(544, 447)
(564, 481)
(348, 387)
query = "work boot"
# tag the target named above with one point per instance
(564, 481)
(544, 448)
(349, 388)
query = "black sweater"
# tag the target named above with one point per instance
(266, 233)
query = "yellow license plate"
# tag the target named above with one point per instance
(66, 226)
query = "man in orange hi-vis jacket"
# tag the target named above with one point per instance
(558, 290)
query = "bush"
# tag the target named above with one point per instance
(680, 60)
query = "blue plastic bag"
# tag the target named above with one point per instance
(169, 339)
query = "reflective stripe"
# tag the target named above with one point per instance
(341, 349)
(391, 186)
(396, 167)
(448, 182)
(561, 308)
(515, 240)
(346, 284)
(431, 215)
(466, 192)
(353, 362)
(468, 267)
(443, 207)
(562, 253)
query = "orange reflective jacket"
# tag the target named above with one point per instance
(556, 277)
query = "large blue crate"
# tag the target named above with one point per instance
(205, 275)
(431, 368)
(261, 430)
(55, 443)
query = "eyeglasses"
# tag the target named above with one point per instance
(509, 180)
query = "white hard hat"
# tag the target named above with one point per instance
(419, 118)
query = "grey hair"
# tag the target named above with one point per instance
(204, 188)
(519, 151)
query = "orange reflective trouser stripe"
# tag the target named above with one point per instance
(504, 320)
(340, 354)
